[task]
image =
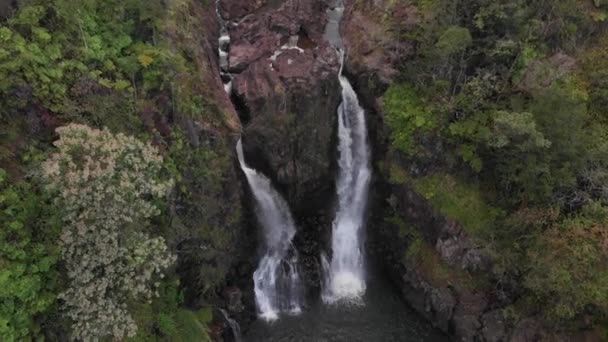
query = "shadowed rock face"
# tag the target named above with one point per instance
(233, 9)
(286, 80)
(7, 7)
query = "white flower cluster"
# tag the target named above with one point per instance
(105, 183)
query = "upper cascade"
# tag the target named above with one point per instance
(344, 275)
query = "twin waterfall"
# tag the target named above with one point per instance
(276, 280)
(344, 277)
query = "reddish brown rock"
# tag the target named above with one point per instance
(261, 34)
(286, 81)
(369, 32)
(233, 9)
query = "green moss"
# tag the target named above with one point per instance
(205, 315)
(427, 6)
(433, 269)
(190, 326)
(405, 230)
(458, 201)
(397, 174)
(414, 250)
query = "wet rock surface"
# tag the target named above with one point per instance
(233, 9)
(285, 79)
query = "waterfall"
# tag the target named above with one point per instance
(234, 326)
(344, 275)
(223, 46)
(276, 279)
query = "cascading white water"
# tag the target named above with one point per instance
(344, 275)
(222, 50)
(235, 329)
(276, 280)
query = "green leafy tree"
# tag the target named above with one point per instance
(28, 257)
(406, 115)
(453, 40)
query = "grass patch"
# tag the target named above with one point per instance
(192, 325)
(458, 201)
(397, 174)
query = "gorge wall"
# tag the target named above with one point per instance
(486, 121)
(286, 91)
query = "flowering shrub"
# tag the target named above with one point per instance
(105, 184)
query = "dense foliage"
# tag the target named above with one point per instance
(106, 186)
(28, 257)
(506, 101)
(85, 238)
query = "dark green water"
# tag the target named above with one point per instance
(383, 317)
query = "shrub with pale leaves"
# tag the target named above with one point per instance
(105, 184)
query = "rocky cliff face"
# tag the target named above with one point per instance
(286, 87)
(286, 90)
(205, 212)
(446, 284)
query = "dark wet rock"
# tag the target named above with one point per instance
(494, 326)
(8, 8)
(415, 290)
(466, 321)
(310, 242)
(450, 249)
(233, 9)
(443, 304)
(527, 330)
(232, 297)
(476, 260)
(223, 328)
(457, 249)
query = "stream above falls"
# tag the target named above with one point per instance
(384, 317)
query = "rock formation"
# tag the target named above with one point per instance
(286, 87)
